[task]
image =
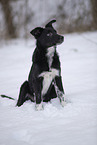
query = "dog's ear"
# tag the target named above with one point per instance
(37, 32)
(50, 23)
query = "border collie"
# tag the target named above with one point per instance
(44, 82)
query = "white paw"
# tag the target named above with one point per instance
(62, 101)
(39, 107)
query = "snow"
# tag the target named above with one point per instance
(76, 123)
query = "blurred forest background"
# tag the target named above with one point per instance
(19, 17)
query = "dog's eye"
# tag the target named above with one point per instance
(49, 34)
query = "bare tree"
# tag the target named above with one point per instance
(94, 12)
(61, 16)
(8, 18)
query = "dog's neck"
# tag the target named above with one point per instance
(46, 52)
(50, 54)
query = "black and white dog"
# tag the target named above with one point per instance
(44, 81)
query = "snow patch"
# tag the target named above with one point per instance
(76, 123)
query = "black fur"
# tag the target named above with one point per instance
(31, 89)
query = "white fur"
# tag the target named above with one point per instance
(60, 95)
(63, 103)
(48, 76)
(38, 107)
(50, 54)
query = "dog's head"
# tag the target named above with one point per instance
(47, 37)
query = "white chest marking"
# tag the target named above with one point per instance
(48, 76)
(50, 54)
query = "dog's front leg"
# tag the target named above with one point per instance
(37, 90)
(59, 90)
(38, 105)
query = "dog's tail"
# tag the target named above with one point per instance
(4, 96)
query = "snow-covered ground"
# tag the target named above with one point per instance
(76, 123)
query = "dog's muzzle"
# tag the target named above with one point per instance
(61, 39)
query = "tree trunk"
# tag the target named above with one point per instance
(8, 18)
(94, 12)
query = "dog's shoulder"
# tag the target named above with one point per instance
(39, 56)
(56, 55)
(56, 60)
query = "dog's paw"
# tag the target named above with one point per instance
(39, 107)
(63, 101)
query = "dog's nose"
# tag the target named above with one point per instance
(61, 39)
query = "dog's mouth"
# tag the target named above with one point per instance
(57, 41)
(61, 39)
